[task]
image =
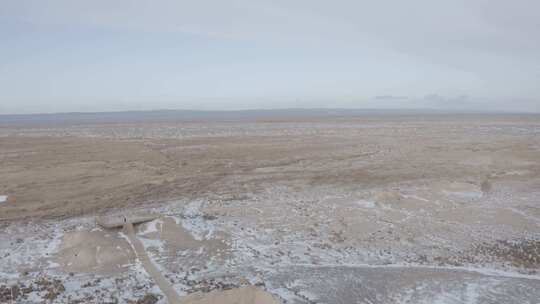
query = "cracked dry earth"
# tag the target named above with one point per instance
(382, 209)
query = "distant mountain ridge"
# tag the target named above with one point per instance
(70, 118)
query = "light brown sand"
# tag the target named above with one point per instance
(96, 168)
(243, 295)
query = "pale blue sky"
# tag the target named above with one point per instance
(99, 55)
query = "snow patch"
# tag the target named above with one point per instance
(3, 198)
(464, 194)
(193, 221)
(151, 227)
(152, 243)
(366, 204)
(415, 197)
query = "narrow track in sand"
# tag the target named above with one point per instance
(167, 289)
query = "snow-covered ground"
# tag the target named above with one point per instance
(343, 248)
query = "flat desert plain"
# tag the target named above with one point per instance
(396, 208)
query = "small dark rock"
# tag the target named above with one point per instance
(148, 299)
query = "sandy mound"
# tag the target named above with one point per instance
(94, 251)
(243, 295)
(176, 238)
(168, 230)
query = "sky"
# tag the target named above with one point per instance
(103, 55)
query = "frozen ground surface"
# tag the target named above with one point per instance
(404, 211)
(199, 248)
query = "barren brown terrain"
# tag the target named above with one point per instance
(371, 209)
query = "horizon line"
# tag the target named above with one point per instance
(424, 109)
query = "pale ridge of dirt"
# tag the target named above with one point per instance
(242, 295)
(151, 269)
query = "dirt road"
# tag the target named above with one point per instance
(165, 287)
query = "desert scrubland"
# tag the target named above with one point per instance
(401, 208)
